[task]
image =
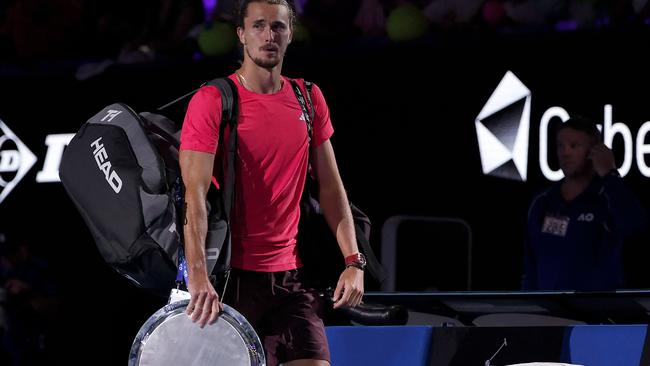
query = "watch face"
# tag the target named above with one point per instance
(362, 259)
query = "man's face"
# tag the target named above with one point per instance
(266, 33)
(573, 150)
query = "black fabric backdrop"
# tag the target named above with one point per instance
(405, 142)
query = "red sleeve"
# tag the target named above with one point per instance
(323, 129)
(201, 125)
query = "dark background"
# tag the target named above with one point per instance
(405, 143)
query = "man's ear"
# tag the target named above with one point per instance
(240, 35)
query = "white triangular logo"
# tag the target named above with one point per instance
(502, 129)
(493, 152)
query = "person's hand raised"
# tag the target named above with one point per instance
(602, 159)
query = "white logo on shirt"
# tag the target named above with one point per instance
(588, 217)
(302, 117)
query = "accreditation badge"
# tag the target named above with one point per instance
(555, 225)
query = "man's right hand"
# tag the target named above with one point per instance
(196, 167)
(204, 306)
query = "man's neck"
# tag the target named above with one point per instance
(260, 80)
(573, 186)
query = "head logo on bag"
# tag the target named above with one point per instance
(101, 157)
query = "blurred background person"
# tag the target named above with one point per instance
(576, 229)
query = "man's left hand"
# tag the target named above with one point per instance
(349, 289)
(602, 159)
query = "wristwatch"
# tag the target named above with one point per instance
(357, 260)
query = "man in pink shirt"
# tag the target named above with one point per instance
(267, 285)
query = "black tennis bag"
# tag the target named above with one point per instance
(121, 171)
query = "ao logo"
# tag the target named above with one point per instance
(502, 128)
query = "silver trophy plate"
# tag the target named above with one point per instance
(169, 337)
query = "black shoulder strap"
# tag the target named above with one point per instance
(308, 86)
(309, 117)
(229, 113)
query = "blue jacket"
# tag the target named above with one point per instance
(588, 256)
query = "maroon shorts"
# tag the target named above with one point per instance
(284, 311)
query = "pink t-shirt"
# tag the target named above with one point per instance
(271, 167)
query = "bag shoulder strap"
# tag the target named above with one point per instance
(308, 87)
(229, 101)
(229, 113)
(307, 113)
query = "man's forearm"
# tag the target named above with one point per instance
(339, 218)
(195, 229)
